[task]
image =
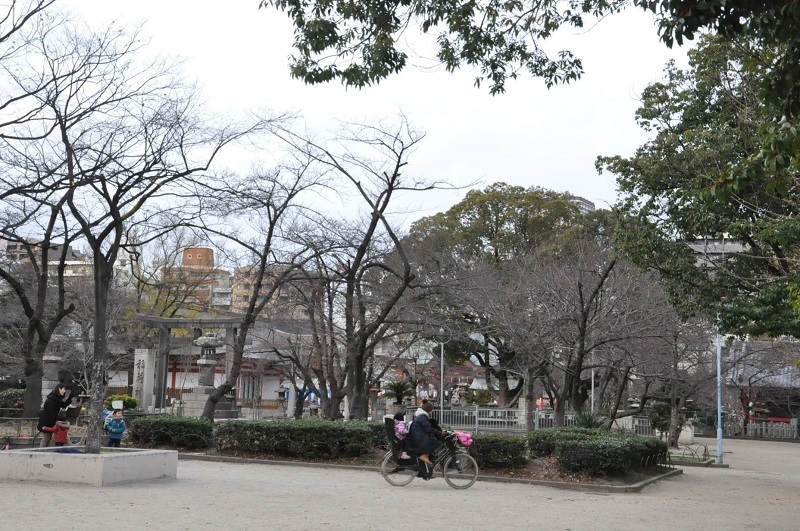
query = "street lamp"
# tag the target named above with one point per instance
(441, 382)
(441, 377)
(719, 393)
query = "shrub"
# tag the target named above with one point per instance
(12, 401)
(543, 442)
(317, 439)
(607, 455)
(586, 419)
(500, 451)
(642, 448)
(593, 456)
(379, 438)
(128, 402)
(160, 430)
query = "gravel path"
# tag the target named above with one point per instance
(761, 490)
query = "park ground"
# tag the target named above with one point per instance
(760, 490)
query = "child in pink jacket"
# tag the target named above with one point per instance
(400, 431)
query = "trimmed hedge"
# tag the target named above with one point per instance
(542, 443)
(578, 450)
(642, 448)
(160, 430)
(316, 439)
(500, 451)
(606, 455)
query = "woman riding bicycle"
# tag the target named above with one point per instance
(423, 436)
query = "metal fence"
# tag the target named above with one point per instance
(637, 425)
(491, 419)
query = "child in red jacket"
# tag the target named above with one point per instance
(59, 430)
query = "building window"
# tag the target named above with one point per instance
(199, 256)
(189, 256)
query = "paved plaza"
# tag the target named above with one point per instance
(761, 490)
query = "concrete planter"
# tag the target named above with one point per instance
(110, 467)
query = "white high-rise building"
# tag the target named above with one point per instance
(584, 205)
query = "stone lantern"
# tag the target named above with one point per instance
(281, 401)
(208, 358)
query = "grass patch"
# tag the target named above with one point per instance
(687, 459)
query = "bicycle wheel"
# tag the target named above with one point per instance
(460, 471)
(395, 473)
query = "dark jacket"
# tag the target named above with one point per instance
(52, 405)
(424, 437)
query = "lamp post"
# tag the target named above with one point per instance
(441, 381)
(719, 393)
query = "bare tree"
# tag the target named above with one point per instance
(670, 366)
(15, 15)
(354, 287)
(256, 217)
(36, 280)
(31, 216)
(566, 312)
(117, 137)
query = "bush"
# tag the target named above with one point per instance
(607, 455)
(161, 430)
(379, 438)
(586, 419)
(316, 439)
(128, 402)
(500, 451)
(593, 456)
(542, 443)
(12, 401)
(642, 448)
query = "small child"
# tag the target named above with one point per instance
(116, 427)
(59, 429)
(400, 431)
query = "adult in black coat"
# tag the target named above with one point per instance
(57, 400)
(424, 437)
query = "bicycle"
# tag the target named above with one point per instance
(460, 470)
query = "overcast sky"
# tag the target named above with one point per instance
(529, 136)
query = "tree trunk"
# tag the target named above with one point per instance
(530, 401)
(330, 410)
(299, 405)
(358, 405)
(225, 387)
(620, 391)
(97, 389)
(559, 411)
(674, 423)
(34, 371)
(33, 390)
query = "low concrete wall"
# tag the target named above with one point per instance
(110, 467)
